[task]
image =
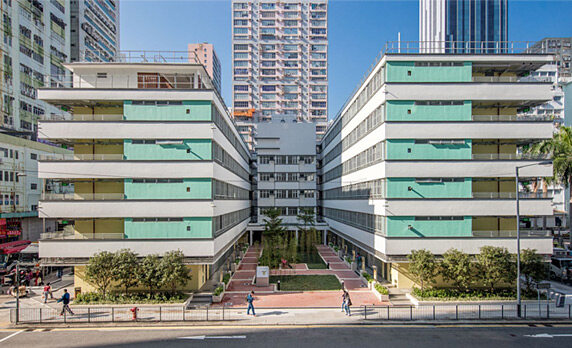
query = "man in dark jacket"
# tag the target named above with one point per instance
(65, 299)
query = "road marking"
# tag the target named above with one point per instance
(209, 337)
(545, 335)
(12, 335)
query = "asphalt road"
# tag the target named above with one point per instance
(311, 336)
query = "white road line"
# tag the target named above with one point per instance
(545, 335)
(12, 335)
(209, 337)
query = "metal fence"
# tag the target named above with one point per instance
(123, 314)
(465, 312)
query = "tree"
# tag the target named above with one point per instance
(495, 266)
(150, 272)
(126, 268)
(307, 220)
(532, 267)
(273, 223)
(559, 149)
(422, 266)
(456, 268)
(101, 270)
(173, 270)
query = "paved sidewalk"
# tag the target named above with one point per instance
(241, 284)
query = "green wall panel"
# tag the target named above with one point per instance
(404, 110)
(408, 72)
(199, 188)
(399, 188)
(191, 110)
(200, 227)
(407, 149)
(190, 149)
(398, 226)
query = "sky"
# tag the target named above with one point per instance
(358, 30)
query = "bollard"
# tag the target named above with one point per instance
(365, 311)
(433, 312)
(278, 285)
(456, 312)
(387, 312)
(88, 314)
(547, 311)
(410, 312)
(479, 311)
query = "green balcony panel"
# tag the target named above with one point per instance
(188, 149)
(408, 226)
(190, 110)
(406, 110)
(409, 149)
(409, 72)
(424, 188)
(199, 188)
(189, 228)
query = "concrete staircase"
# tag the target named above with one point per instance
(200, 300)
(397, 297)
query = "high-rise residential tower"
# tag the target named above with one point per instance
(94, 30)
(461, 26)
(280, 60)
(205, 54)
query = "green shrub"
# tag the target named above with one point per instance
(237, 261)
(451, 294)
(367, 277)
(218, 291)
(381, 289)
(349, 260)
(226, 278)
(131, 298)
(336, 248)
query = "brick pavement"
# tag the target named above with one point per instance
(241, 284)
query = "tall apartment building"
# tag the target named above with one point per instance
(158, 165)
(286, 169)
(205, 54)
(561, 48)
(35, 43)
(280, 62)
(423, 156)
(20, 188)
(463, 26)
(94, 30)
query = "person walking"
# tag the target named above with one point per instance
(344, 294)
(65, 299)
(47, 292)
(250, 300)
(348, 303)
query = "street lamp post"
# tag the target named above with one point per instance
(518, 299)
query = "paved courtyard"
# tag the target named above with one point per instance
(241, 284)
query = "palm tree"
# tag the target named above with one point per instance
(559, 148)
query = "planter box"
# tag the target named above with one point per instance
(233, 267)
(218, 299)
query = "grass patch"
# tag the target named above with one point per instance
(307, 282)
(311, 259)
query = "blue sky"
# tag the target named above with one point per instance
(358, 30)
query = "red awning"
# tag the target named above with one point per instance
(15, 249)
(11, 245)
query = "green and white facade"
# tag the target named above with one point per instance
(423, 156)
(158, 165)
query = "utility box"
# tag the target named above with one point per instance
(262, 276)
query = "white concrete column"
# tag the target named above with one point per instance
(325, 237)
(297, 235)
(251, 236)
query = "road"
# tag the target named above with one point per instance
(307, 336)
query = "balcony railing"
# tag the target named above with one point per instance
(507, 156)
(509, 118)
(84, 157)
(83, 117)
(83, 196)
(511, 195)
(80, 236)
(510, 79)
(511, 233)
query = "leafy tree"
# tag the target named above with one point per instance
(173, 270)
(126, 268)
(422, 266)
(532, 267)
(559, 149)
(149, 274)
(456, 268)
(495, 265)
(101, 270)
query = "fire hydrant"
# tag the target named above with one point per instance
(134, 311)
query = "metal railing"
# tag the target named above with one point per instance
(85, 157)
(48, 196)
(124, 314)
(511, 195)
(512, 233)
(509, 118)
(510, 79)
(448, 312)
(61, 235)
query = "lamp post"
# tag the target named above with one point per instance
(518, 299)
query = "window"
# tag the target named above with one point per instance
(33, 186)
(33, 156)
(241, 88)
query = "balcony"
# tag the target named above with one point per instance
(62, 235)
(510, 79)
